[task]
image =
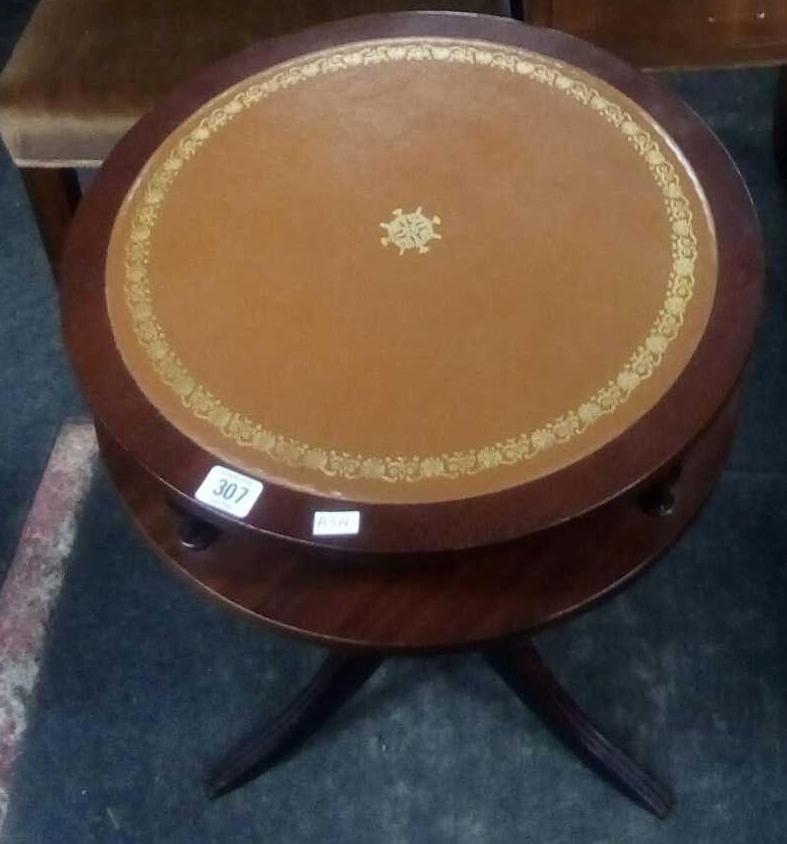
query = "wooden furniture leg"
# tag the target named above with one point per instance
(780, 125)
(536, 12)
(522, 668)
(520, 665)
(339, 677)
(54, 194)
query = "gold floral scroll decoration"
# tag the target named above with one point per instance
(285, 449)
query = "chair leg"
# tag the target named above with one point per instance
(537, 12)
(780, 125)
(54, 194)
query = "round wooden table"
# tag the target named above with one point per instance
(412, 333)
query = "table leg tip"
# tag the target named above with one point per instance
(661, 805)
(216, 786)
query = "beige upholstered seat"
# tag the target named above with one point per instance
(85, 70)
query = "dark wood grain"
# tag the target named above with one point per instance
(674, 33)
(531, 680)
(631, 460)
(539, 12)
(339, 678)
(426, 602)
(54, 195)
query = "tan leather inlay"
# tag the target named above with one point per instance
(411, 270)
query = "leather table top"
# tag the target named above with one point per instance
(411, 270)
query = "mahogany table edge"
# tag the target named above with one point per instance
(650, 443)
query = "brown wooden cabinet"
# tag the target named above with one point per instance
(674, 33)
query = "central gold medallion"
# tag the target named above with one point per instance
(410, 231)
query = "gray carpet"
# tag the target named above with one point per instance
(144, 683)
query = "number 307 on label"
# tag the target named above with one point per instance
(229, 491)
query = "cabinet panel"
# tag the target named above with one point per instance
(659, 33)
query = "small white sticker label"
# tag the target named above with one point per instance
(229, 491)
(336, 522)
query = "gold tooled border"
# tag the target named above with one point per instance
(288, 450)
